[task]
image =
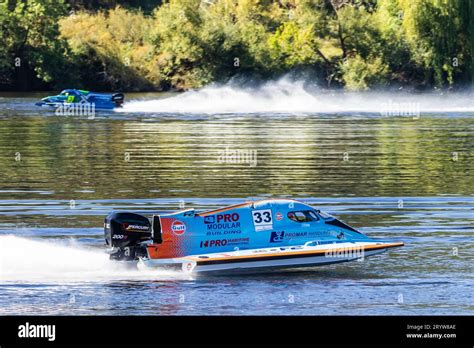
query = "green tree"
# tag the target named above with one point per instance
(437, 33)
(360, 74)
(110, 48)
(189, 43)
(31, 51)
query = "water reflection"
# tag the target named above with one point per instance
(308, 156)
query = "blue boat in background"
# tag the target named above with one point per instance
(72, 97)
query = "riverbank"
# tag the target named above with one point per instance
(181, 45)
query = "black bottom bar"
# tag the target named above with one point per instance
(194, 331)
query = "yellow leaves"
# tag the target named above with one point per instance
(83, 28)
(253, 10)
(432, 29)
(113, 33)
(189, 42)
(361, 74)
(292, 44)
(115, 39)
(127, 26)
(408, 11)
(223, 10)
(330, 48)
(245, 9)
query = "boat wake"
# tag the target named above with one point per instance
(25, 260)
(287, 96)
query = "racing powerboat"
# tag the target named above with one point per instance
(248, 237)
(78, 97)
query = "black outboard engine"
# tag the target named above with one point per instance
(117, 99)
(125, 234)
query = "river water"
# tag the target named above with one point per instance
(397, 177)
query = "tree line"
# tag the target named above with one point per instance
(180, 44)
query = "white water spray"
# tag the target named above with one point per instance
(26, 260)
(290, 97)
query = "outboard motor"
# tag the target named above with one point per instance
(117, 99)
(125, 234)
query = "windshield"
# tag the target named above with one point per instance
(303, 216)
(325, 215)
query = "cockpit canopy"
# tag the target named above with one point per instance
(308, 215)
(68, 92)
(303, 216)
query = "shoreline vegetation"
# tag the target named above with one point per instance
(155, 45)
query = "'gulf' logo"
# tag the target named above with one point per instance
(178, 227)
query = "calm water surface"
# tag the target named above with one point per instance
(400, 178)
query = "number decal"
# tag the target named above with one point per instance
(70, 99)
(268, 216)
(257, 217)
(262, 219)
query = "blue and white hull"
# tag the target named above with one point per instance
(267, 259)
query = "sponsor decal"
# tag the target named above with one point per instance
(277, 237)
(135, 228)
(223, 242)
(220, 233)
(222, 224)
(178, 227)
(221, 218)
(279, 216)
(298, 235)
(209, 219)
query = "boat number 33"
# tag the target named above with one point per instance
(262, 217)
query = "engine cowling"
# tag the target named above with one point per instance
(125, 233)
(118, 99)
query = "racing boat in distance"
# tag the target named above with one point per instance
(78, 97)
(248, 237)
